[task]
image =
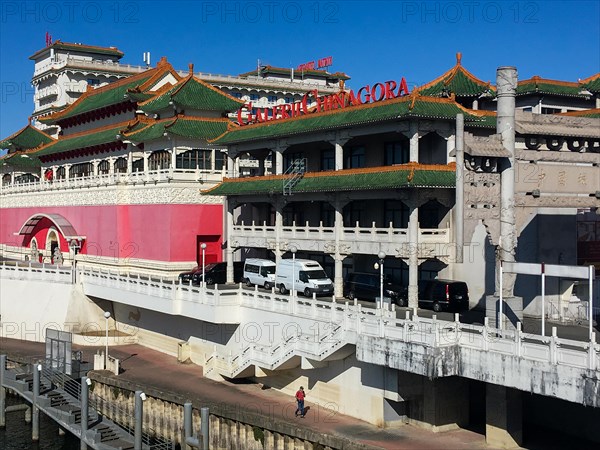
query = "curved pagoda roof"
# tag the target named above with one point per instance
(410, 106)
(121, 91)
(26, 138)
(539, 85)
(457, 81)
(190, 127)
(192, 93)
(592, 84)
(19, 161)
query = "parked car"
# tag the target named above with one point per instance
(216, 273)
(367, 286)
(304, 276)
(444, 295)
(260, 272)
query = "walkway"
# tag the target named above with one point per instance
(155, 371)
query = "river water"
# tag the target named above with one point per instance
(17, 433)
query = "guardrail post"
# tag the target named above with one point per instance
(2, 391)
(187, 425)
(592, 353)
(35, 423)
(553, 346)
(204, 427)
(85, 390)
(138, 417)
(486, 332)
(519, 340)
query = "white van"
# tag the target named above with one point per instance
(308, 277)
(260, 272)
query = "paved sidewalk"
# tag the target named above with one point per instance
(152, 369)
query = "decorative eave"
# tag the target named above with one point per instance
(411, 175)
(26, 138)
(457, 81)
(19, 161)
(410, 106)
(190, 127)
(591, 84)
(538, 85)
(98, 140)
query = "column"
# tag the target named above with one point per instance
(450, 145)
(229, 236)
(503, 417)
(213, 162)
(475, 104)
(146, 166)
(12, 178)
(111, 166)
(129, 163)
(338, 282)
(278, 227)
(278, 160)
(67, 172)
(95, 163)
(261, 166)
(230, 166)
(54, 172)
(173, 152)
(414, 141)
(339, 155)
(413, 255)
(460, 189)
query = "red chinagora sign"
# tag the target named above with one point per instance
(366, 94)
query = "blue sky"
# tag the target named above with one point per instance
(370, 41)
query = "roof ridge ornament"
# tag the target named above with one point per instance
(458, 58)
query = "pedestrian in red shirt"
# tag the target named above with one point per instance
(300, 401)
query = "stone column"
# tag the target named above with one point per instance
(129, 163)
(450, 145)
(213, 162)
(278, 227)
(338, 143)
(95, 163)
(230, 166)
(67, 172)
(278, 160)
(503, 417)
(146, 166)
(111, 166)
(460, 189)
(173, 152)
(338, 282)
(414, 141)
(475, 104)
(413, 255)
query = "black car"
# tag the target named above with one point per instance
(216, 273)
(367, 286)
(444, 295)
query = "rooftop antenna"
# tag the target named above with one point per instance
(146, 57)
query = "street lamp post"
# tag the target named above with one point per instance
(293, 249)
(203, 247)
(106, 316)
(379, 265)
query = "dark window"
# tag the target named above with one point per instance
(159, 160)
(81, 170)
(6, 178)
(137, 165)
(103, 167)
(237, 94)
(289, 158)
(395, 212)
(93, 81)
(327, 214)
(121, 165)
(355, 212)
(328, 159)
(396, 153)
(193, 159)
(551, 110)
(272, 98)
(61, 173)
(355, 157)
(254, 97)
(289, 99)
(25, 178)
(291, 214)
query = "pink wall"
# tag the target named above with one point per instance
(156, 232)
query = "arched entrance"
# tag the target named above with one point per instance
(53, 246)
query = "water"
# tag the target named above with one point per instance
(17, 434)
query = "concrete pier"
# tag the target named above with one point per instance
(504, 417)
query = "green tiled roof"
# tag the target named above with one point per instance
(404, 107)
(78, 141)
(537, 85)
(98, 98)
(297, 73)
(26, 138)
(180, 126)
(20, 161)
(483, 121)
(592, 83)
(590, 113)
(346, 180)
(458, 82)
(192, 93)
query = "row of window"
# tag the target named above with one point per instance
(256, 97)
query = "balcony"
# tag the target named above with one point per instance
(134, 178)
(357, 239)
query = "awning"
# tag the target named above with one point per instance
(63, 225)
